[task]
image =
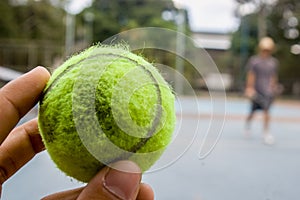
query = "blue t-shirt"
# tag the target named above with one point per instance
(264, 69)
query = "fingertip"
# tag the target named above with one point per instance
(42, 71)
(146, 192)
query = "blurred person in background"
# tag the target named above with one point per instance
(261, 85)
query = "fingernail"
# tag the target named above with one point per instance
(122, 179)
(38, 68)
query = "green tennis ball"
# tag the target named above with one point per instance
(103, 105)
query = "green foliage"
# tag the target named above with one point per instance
(112, 17)
(31, 34)
(289, 69)
(8, 21)
(34, 20)
(246, 36)
(245, 40)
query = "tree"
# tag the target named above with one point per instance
(8, 22)
(284, 27)
(281, 23)
(31, 33)
(112, 17)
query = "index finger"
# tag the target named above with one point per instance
(19, 96)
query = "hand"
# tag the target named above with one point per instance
(110, 184)
(250, 92)
(19, 145)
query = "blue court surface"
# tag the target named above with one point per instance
(208, 159)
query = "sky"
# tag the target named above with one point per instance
(204, 15)
(210, 15)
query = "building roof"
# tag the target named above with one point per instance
(217, 41)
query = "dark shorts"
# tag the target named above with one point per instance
(260, 102)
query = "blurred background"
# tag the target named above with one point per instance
(47, 32)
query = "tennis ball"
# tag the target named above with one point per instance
(103, 105)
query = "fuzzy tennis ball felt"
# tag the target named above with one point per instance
(103, 105)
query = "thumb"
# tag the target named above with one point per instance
(119, 181)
